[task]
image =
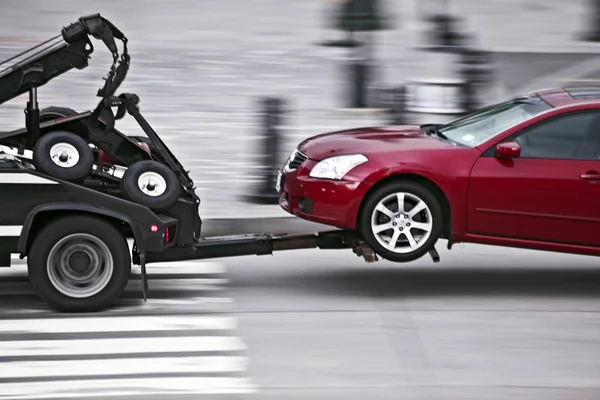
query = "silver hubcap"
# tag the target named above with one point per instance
(152, 184)
(401, 222)
(80, 265)
(64, 155)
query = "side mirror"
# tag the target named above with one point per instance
(508, 150)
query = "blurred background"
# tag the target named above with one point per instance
(486, 323)
(203, 68)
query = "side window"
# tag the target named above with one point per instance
(571, 137)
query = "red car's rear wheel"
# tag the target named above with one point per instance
(402, 221)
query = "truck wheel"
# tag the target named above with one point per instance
(151, 184)
(79, 264)
(63, 155)
(402, 221)
(52, 112)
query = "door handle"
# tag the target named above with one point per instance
(590, 176)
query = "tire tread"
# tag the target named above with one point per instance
(54, 231)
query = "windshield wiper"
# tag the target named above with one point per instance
(433, 129)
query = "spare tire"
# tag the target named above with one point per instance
(52, 112)
(63, 155)
(151, 184)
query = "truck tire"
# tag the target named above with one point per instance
(406, 234)
(52, 112)
(79, 264)
(151, 184)
(63, 155)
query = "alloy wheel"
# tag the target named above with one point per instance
(402, 222)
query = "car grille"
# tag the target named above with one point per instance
(296, 160)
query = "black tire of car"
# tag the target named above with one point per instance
(50, 235)
(161, 174)
(43, 160)
(407, 187)
(52, 112)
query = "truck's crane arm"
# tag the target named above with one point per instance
(38, 65)
(71, 49)
(102, 29)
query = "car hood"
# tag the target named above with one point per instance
(369, 141)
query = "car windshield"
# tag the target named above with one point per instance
(483, 124)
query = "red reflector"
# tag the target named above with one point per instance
(167, 234)
(154, 228)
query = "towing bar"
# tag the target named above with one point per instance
(255, 244)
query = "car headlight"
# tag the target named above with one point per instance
(337, 167)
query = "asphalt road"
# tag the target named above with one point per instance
(484, 323)
(184, 340)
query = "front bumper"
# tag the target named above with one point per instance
(325, 201)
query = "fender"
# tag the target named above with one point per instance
(74, 207)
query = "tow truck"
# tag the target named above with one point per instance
(74, 189)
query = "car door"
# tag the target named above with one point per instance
(551, 192)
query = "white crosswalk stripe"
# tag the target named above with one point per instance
(207, 285)
(190, 285)
(125, 387)
(124, 324)
(148, 345)
(184, 340)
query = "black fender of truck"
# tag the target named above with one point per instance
(77, 207)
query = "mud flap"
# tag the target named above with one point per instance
(142, 259)
(144, 276)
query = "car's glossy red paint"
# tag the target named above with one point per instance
(334, 202)
(491, 201)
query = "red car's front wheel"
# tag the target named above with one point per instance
(402, 221)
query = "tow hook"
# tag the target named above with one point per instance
(435, 256)
(364, 250)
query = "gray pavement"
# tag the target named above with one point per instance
(484, 323)
(201, 68)
(184, 340)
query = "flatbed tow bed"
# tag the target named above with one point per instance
(74, 189)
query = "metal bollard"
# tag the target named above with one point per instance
(468, 100)
(593, 32)
(398, 106)
(360, 18)
(477, 65)
(272, 112)
(476, 72)
(443, 33)
(358, 78)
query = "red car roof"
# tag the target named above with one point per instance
(559, 97)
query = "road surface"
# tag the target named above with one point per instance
(484, 323)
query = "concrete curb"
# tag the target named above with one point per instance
(239, 226)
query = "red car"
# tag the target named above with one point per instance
(522, 173)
